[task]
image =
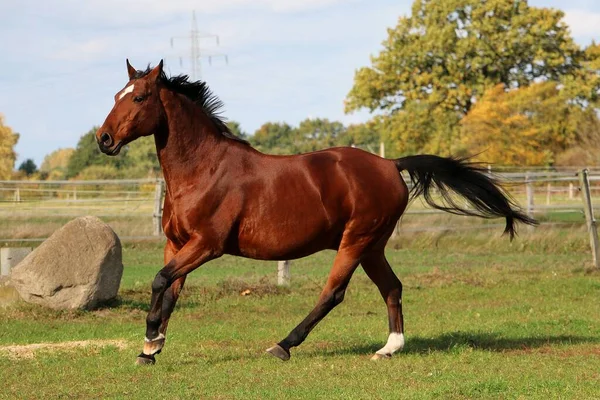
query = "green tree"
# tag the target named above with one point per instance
(87, 153)
(8, 140)
(55, 164)
(437, 61)
(98, 172)
(419, 129)
(236, 129)
(364, 136)
(317, 134)
(140, 160)
(274, 138)
(28, 167)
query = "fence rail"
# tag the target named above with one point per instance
(537, 191)
(31, 210)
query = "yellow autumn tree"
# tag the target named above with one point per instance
(55, 164)
(8, 140)
(529, 126)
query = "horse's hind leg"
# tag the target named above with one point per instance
(344, 266)
(380, 272)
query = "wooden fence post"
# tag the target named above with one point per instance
(10, 257)
(530, 201)
(571, 191)
(158, 207)
(529, 191)
(589, 215)
(283, 273)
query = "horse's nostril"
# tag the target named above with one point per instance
(106, 139)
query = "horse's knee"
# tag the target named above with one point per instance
(338, 296)
(160, 283)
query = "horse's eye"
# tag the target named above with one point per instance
(138, 99)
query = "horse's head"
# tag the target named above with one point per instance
(137, 112)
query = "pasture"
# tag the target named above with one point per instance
(485, 318)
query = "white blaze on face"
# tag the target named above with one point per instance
(128, 89)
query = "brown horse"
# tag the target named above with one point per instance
(224, 197)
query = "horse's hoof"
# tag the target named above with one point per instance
(279, 352)
(144, 359)
(378, 357)
(154, 346)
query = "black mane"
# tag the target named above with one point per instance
(200, 94)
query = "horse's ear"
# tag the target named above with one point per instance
(156, 71)
(130, 70)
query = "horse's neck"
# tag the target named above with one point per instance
(188, 145)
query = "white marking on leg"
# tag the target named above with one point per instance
(159, 337)
(128, 89)
(394, 343)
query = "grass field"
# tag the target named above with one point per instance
(485, 318)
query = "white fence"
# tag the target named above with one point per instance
(32, 210)
(138, 203)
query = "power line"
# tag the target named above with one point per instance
(197, 52)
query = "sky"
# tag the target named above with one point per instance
(62, 61)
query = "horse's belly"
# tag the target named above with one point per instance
(286, 239)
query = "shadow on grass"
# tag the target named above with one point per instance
(455, 341)
(446, 343)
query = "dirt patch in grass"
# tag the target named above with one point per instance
(28, 351)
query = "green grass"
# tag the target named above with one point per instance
(485, 318)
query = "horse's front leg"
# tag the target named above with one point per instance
(195, 253)
(172, 293)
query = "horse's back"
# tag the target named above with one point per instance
(301, 204)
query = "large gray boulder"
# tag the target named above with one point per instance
(79, 266)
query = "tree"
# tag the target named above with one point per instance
(274, 138)
(583, 87)
(87, 153)
(28, 167)
(55, 164)
(236, 129)
(585, 151)
(8, 140)
(99, 172)
(317, 134)
(364, 136)
(447, 53)
(526, 126)
(140, 160)
(419, 129)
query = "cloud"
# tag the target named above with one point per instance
(583, 24)
(88, 49)
(287, 58)
(136, 12)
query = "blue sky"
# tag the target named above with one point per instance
(63, 60)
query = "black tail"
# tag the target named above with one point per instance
(468, 180)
